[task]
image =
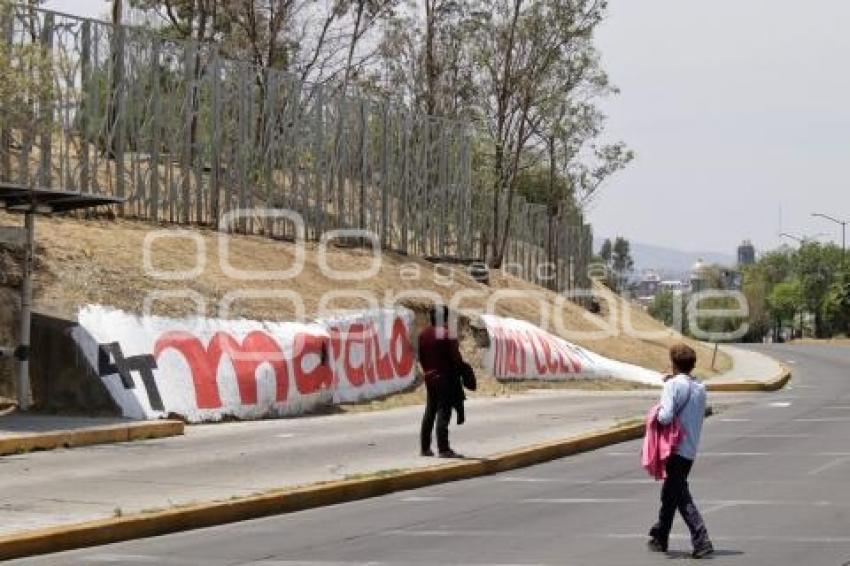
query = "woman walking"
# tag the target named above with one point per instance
(682, 397)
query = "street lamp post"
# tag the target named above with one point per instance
(843, 224)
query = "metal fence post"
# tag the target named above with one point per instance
(155, 133)
(46, 104)
(215, 147)
(7, 19)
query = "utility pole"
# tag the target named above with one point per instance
(843, 224)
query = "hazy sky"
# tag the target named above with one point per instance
(734, 108)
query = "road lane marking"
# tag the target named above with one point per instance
(124, 558)
(446, 533)
(515, 479)
(781, 404)
(583, 500)
(422, 498)
(828, 466)
(703, 454)
(741, 436)
(735, 538)
(728, 420)
(824, 420)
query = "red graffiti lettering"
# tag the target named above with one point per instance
(311, 348)
(401, 350)
(203, 369)
(257, 348)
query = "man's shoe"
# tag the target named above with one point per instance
(656, 545)
(450, 454)
(703, 549)
(427, 453)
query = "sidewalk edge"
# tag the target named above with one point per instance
(90, 435)
(92, 533)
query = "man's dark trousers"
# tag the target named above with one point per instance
(676, 495)
(438, 408)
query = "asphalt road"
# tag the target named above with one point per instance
(771, 480)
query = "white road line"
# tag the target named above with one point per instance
(359, 563)
(422, 499)
(285, 435)
(733, 538)
(781, 404)
(124, 558)
(512, 479)
(824, 420)
(714, 504)
(741, 436)
(706, 454)
(448, 533)
(828, 465)
(735, 420)
(583, 500)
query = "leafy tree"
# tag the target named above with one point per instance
(664, 306)
(815, 266)
(837, 304)
(785, 301)
(606, 252)
(622, 256)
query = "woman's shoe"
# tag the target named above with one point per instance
(703, 549)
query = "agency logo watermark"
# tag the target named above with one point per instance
(709, 315)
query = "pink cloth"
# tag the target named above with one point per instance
(659, 443)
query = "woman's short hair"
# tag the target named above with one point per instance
(683, 358)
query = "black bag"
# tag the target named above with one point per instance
(467, 376)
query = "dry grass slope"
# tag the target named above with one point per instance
(101, 261)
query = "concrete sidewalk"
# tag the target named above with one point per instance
(748, 366)
(218, 462)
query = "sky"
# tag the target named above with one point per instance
(735, 109)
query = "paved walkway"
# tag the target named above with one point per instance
(748, 365)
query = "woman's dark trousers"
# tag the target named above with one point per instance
(675, 494)
(436, 408)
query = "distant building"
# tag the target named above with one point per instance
(700, 276)
(746, 253)
(647, 287)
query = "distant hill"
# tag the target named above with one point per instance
(670, 262)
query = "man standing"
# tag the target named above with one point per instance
(682, 397)
(439, 355)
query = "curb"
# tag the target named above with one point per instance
(778, 382)
(104, 531)
(90, 435)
